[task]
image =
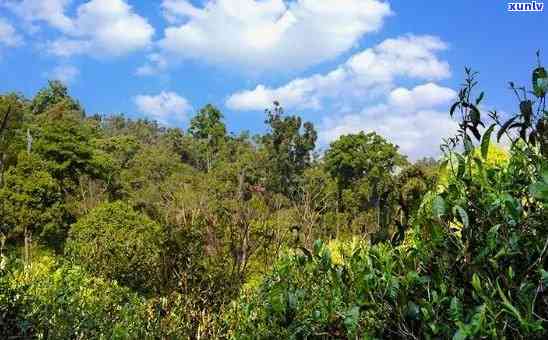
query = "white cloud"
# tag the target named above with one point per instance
(417, 133)
(268, 34)
(8, 35)
(100, 27)
(49, 11)
(415, 119)
(155, 65)
(365, 75)
(420, 97)
(364, 94)
(66, 47)
(176, 10)
(166, 107)
(64, 73)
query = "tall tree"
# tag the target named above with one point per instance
(370, 160)
(31, 203)
(55, 93)
(289, 145)
(11, 122)
(210, 130)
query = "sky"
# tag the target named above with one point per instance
(393, 67)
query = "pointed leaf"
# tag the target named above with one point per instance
(486, 140)
(461, 167)
(480, 98)
(504, 127)
(453, 108)
(463, 215)
(475, 115)
(438, 207)
(475, 132)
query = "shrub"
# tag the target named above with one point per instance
(118, 243)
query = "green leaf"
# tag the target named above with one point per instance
(475, 132)
(476, 282)
(352, 318)
(480, 98)
(463, 215)
(485, 141)
(509, 307)
(468, 145)
(526, 108)
(544, 276)
(539, 191)
(475, 115)
(504, 127)
(453, 108)
(326, 257)
(545, 174)
(412, 311)
(455, 309)
(540, 81)
(461, 167)
(318, 246)
(438, 207)
(460, 335)
(483, 175)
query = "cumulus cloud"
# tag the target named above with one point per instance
(420, 97)
(67, 74)
(165, 107)
(365, 75)
(100, 27)
(8, 35)
(364, 94)
(49, 11)
(268, 34)
(418, 130)
(156, 64)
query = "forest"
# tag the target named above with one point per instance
(119, 228)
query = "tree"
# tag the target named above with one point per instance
(11, 122)
(208, 128)
(54, 94)
(367, 159)
(411, 184)
(69, 145)
(288, 146)
(32, 203)
(115, 241)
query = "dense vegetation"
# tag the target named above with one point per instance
(120, 228)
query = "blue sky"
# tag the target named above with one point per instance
(346, 65)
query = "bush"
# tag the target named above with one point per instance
(55, 301)
(118, 243)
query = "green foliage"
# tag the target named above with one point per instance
(12, 317)
(116, 242)
(68, 145)
(32, 201)
(288, 150)
(61, 302)
(209, 130)
(207, 235)
(208, 124)
(353, 157)
(53, 95)
(364, 166)
(471, 266)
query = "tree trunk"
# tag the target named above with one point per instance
(28, 241)
(2, 164)
(243, 225)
